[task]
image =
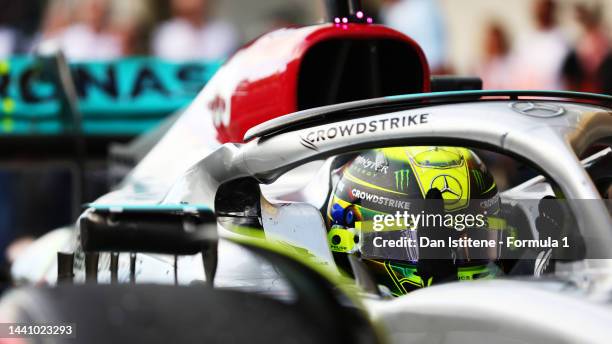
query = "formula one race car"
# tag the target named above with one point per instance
(332, 208)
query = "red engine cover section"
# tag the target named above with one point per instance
(294, 69)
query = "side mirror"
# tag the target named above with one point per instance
(163, 231)
(240, 202)
(298, 224)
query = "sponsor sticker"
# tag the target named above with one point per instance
(331, 132)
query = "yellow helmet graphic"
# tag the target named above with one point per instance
(386, 181)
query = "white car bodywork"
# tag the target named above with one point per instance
(186, 169)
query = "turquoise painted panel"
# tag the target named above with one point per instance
(121, 97)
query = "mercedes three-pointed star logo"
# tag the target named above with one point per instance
(449, 187)
(538, 109)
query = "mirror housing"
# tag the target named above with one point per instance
(141, 231)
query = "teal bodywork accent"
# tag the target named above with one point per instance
(502, 93)
(120, 97)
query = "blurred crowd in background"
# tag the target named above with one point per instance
(561, 44)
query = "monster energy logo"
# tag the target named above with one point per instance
(402, 179)
(479, 179)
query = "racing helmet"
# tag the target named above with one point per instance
(413, 184)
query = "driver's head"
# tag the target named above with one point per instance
(395, 181)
